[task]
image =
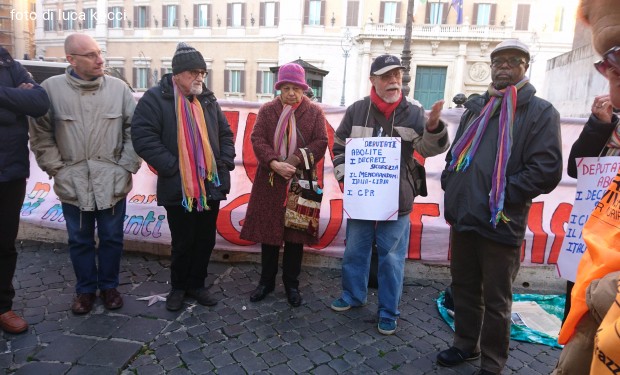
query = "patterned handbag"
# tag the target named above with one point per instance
(303, 202)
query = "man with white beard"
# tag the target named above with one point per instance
(385, 113)
(179, 129)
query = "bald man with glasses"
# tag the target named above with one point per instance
(84, 143)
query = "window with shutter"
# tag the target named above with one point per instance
(115, 17)
(435, 13)
(315, 13)
(389, 12)
(49, 22)
(170, 16)
(90, 20)
(523, 17)
(141, 17)
(484, 14)
(69, 18)
(353, 9)
(202, 15)
(268, 14)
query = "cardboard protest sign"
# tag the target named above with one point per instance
(593, 177)
(372, 177)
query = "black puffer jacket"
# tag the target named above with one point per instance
(154, 136)
(534, 168)
(15, 105)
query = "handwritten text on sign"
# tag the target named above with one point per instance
(593, 177)
(372, 172)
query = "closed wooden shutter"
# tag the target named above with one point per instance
(306, 12)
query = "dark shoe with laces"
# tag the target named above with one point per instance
(294, 297)
(112, 299)
(455, 356)
(260, 293)
(202, 296)
(174, 300)
(83, 303)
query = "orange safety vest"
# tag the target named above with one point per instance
(601, 233)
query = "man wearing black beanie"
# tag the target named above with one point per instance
(181, 105)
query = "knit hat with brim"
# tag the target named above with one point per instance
(187, 58)
(293, 74)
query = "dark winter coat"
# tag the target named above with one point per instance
(15, 105)
(363, 119)
(154, 136)
(534, 168)
(264, 219)
(591, 142)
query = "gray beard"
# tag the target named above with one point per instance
(194, 90)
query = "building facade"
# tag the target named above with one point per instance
(17, 23)
(242, 39)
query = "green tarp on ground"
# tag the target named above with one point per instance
(553, 304)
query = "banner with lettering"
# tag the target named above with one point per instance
(371, 182)
(593, 178)
(429, 238)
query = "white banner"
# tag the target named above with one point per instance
(593, 177)
(371, 182)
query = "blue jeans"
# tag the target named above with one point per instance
(95, 268)
(392, 239)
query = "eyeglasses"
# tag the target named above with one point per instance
(513, 62)
(91, 56)
(611, 60)
(196, 73)
(396, 73)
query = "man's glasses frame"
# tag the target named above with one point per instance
(611, 60)
(91, 55)
(195, 73)
(513, 62)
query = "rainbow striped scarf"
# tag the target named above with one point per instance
(196, 159)
(613, 144)
(465, 148)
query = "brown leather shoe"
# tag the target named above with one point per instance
(83, 303)
(112, 299)
(12, 323)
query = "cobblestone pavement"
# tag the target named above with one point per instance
(234, 337)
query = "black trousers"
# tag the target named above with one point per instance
(291, 264)
(193, 240)
(11, 199)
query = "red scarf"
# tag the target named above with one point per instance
(385, 108)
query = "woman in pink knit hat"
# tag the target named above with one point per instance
(285, 125)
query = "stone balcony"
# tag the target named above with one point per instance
(436, 32)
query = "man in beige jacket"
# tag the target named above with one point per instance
(84, 142)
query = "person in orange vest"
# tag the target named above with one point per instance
(596, 285)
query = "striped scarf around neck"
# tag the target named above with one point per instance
(466, 147)
(196, 160)
(285, 136)
(613, 144)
